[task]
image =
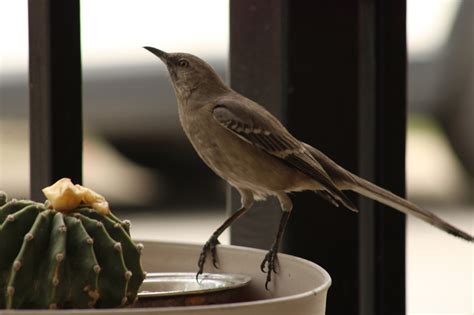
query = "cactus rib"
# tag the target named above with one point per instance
(52, 270)
(131, 252)
(81, 265)
(13, 229)
(112, 280)
(24, 271)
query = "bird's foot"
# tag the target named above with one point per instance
(209, 247)
(269, 264)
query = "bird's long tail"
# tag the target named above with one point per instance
(381, 195)
(347, 180)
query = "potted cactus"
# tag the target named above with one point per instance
(59, 255)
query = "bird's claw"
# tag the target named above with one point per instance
(210, 246)
(269, 264)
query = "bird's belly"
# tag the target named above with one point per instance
(242, 164)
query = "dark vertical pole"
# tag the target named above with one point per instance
(55, 93)
(382, 107)
(335, 72)
(322, 111)
(258, 63)
(367, 157)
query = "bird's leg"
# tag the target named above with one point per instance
(268, 264)
(212, 242)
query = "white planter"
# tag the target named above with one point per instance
(300, 287)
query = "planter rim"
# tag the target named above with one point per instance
(324, 286)
(298, 296)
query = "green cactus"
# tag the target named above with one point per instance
(50, 259)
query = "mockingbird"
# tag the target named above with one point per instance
(248, 147)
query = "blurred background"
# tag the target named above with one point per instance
(133, 138)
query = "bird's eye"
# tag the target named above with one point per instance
(183, 63)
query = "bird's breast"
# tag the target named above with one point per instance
(235, 160)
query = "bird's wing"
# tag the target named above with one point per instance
(258, 127)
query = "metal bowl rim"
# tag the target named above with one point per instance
(233, 281)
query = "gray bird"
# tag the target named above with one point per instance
(249, 148)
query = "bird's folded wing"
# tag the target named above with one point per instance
(259, 128)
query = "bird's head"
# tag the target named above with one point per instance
(189, 74)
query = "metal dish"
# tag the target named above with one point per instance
(181, 289)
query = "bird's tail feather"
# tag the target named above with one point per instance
(375, 192)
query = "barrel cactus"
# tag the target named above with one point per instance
(56, 259)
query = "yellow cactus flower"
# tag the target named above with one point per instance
(65, 196)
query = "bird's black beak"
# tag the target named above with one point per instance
(159, 53)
